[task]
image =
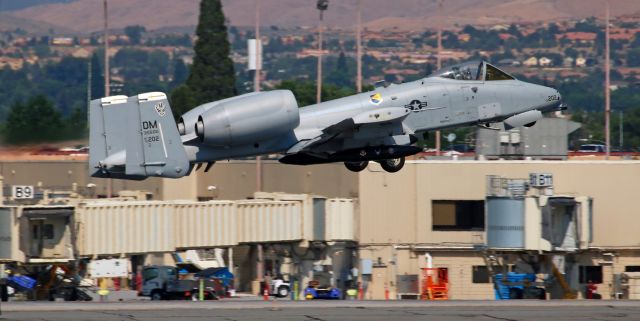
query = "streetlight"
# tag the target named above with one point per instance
(321, 5)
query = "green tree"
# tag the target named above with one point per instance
(305, 91)
(180, 72)
(76, 123)
(37, 120)
(633, 57)
(340, 75)
(134, 33)
(182, 100)
(97, 79)
(212, 75)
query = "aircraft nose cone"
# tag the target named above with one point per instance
(551, 98)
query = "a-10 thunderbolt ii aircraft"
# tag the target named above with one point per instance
(137, 137)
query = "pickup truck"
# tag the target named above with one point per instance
(161, 282)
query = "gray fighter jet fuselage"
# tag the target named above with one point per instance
(381, 125)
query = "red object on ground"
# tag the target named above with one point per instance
(591, 290)
(386, 292)
(116, 284)
(435, 284)
(139, 282)
(360, 292)
(265, 294)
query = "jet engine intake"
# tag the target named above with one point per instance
(522, 119)
(249, 119)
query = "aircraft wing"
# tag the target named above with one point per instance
(375, 123)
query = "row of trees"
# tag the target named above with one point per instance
(38, 120)
(212, 77)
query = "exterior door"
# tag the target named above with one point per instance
(37, 240)
(378, 282)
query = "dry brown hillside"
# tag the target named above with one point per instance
(86, 15)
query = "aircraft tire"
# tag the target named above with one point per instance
(392, 165)
(356, 166)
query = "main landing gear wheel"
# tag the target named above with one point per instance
(392, 165)
(356, 166)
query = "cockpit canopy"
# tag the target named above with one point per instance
(473, 70)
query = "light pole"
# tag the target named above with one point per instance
(321, 5)
(107, 86)
(256, 88)
(439, 64)
(621, 139)
(607, 91)
(359, 47)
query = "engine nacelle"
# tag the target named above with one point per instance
(248, 119)
(187, 122)
(522, 119)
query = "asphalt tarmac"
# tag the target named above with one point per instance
(324, 311)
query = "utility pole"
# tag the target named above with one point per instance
(359, 47)
(256, 88)
(621, 139)
(607, 85)
(106, 50)
(439, 63)
(89, 78)
(322, 5)
(106, 76)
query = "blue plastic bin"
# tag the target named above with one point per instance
(21, 282)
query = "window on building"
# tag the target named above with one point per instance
(457, 215)
(480, 274)
(48, 232)
(591, 273)
(632, 268)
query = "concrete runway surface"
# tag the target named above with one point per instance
(230, 310)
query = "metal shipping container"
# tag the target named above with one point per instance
(125, 227)
(205, 224)
(340, 216)
(269, 221)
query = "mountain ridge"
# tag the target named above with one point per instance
(83, 16)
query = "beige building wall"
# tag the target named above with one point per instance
(237, 180)
(400, 260)
(397, 207)
(61, 175)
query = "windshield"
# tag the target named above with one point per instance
(465, 71)
(472, 70)
(494, 73)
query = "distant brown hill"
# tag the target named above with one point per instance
(86, 15)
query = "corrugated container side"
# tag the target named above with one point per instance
(126, 227)
(340, 216)
(269, 221)
(308, 201)
(209, 224)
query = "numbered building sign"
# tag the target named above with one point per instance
(541, 180)
(22, 191)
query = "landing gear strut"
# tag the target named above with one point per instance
(392, 165)
(356, 166)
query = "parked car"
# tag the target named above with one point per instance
(591, 148)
